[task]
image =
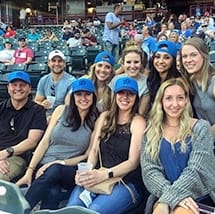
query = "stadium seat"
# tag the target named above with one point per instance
(92, 51)
(3, 87)
(36, 71)
(79, 61)
(16, 67)
(68, 210)
(12, 199)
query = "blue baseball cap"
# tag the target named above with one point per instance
(19, 75)
(105, 56)
(167, 47)
(83, 84)
(126, 83)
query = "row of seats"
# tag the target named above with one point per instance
(13, 201)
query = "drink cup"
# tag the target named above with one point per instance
(84, 166)
(51, 100)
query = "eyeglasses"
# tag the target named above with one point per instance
(12, 125)
(52, 90)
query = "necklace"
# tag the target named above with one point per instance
(173, 126)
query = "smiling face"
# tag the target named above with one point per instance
(132, 64)
(125, 100)
(174, 101)
(83, 100)
(19, 90)
(192, 60)
(162, 62)
(57, 65)
(103, 71)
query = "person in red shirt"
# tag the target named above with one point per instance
(23, 54)
(88, 39)
(10, 33)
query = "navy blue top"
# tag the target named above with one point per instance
(173, 159)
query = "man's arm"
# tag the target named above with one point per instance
(29, 143)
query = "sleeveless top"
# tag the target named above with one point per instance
(116, 150)
(204, 102)
(173, 160)
(66, 143)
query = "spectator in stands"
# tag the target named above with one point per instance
(201, 76)
(112, 30)
(9, 33)
(132, 32)
(67, 33)
(76, 40)
(149, 43)
(22, 125)
(22, 18)
(23, 54)
(164, 29)
(56, 157)
(174, 37)
(101, 73)
(7, 53)
(118, 135)
(33, 35)
(181, 19)
(2, 25)
(66, 24)
(177, 159)
(56, 84)
(132, 61)
(88, 39)
(149, 21)
(171, 27)
(162, 67)
(49, 36)
(161, 37)
(184, 33)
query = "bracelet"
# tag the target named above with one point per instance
(32, 168)
(63, 162)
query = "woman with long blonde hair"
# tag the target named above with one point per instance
(200, 73)
(177, 160)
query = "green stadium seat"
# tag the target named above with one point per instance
(11, 199)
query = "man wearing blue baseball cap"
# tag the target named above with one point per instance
(23, 123)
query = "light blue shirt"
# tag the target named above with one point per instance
(111, 35)
(61, 88)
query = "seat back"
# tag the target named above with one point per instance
(16, 67)
(36, 71)
(12, 199)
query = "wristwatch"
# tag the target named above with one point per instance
(10, 151)
(110, 173)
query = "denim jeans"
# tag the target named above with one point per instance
(112, 48)
(119, 201)
(48, 187)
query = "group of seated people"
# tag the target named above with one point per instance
(140, 124)
(152, 124)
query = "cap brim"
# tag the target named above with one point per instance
(126, 89)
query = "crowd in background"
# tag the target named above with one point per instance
(145, 104)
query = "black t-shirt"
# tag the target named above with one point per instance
(15, 124)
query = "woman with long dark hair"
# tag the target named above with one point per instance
(65, 143)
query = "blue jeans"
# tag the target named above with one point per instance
(48, 187)
(112, 48)
(118, 202)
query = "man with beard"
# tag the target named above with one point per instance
(53, 87)
(75, 41)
